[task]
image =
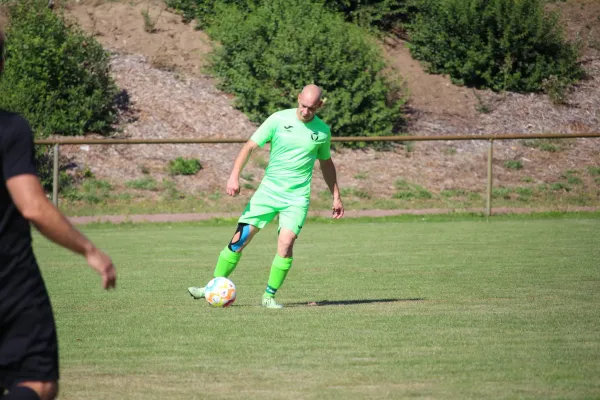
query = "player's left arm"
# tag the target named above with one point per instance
(330, 176)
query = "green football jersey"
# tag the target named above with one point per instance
(295, 146)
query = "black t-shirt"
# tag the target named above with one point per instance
(16, 158)
(21, 284)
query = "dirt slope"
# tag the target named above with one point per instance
(171, 97)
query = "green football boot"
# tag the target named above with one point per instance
(269, 302)
(196, 292)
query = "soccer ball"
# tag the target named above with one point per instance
(220, 292)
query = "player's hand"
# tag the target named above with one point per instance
(102, 263)
(233, 186)
(338, 208)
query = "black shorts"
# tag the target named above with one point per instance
(28, 342)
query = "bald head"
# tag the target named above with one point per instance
(311, 92)
(309, 101)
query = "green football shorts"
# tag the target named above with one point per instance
(262, 209)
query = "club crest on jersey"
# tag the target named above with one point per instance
(314, 136)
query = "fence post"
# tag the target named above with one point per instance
(55, 176)
(488, 208)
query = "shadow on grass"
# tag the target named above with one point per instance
(347, 302)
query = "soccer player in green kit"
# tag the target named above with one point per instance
(298, 137)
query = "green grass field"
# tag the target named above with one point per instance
(507, 308)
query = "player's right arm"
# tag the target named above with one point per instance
(233, 184)
(263, 134)
(31, 201)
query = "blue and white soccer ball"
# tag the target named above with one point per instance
(220, 292)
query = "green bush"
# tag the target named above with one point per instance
(524, 191)
(549, 145)
(268, 55)
(501, 44)
(513, 164)
(356, 192)
(453, 193)
(571, 178)
(187, 8)
(560, 186)
(383, 14)
(204, 11)
(502, 192)
(55, 75)
(594, 171)
(183, 166)
(91, 191)
(145, 183)
(556, 89)
(407, 190)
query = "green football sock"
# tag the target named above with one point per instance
(227, 262)
(279, 270)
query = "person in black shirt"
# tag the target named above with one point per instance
(28, 343)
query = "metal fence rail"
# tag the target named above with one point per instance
(489, 137)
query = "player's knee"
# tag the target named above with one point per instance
(286, 242)
(33, 391)
(50, 391)
(285, 245)
(286, 236)
(240, 238)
